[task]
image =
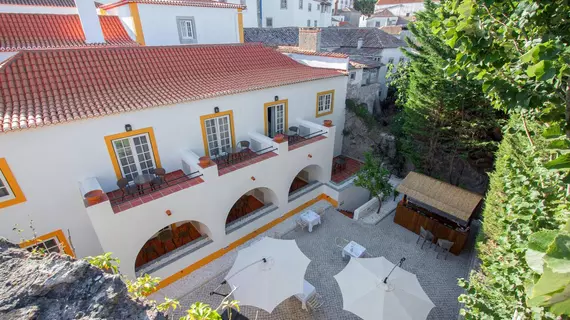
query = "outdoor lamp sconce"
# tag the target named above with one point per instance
(168, 213)
(310, 155)
(276, 98)
(216, 109)
(252, 178)
(128, 127)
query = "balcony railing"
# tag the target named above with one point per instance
(293, 140)
(177, 179)
(230, 159)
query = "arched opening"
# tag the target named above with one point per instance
(179, 236)
(306, 177)
(250, 206)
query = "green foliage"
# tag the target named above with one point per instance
(106, 262)
(366, 7)
(446, 121)
(375, 178)
(142, 286)
(361, 111)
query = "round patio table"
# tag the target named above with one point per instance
(141, 179)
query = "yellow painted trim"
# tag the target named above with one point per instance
(12, 184)
(240, 24)
(113, 155)
(215, 115)
(102, 12)
(269, 104)
(133, 7)
(317, 114)
(200, 263)
(58, 234)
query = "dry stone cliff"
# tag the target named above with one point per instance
(55, 286)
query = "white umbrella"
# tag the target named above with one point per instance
(268, 272)
(365, 294)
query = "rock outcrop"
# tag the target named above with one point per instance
(55, 286)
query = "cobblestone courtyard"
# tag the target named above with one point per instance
(438, 277)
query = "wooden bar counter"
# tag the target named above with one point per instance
(413, 220)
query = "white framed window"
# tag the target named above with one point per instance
(6, 192)
(377, 24)
(309, 7)
(352, 75)
(318, 7)
(315, 23)
(283, 4)
(218, 135)
(186, 30)
(276, 119)
(269, 22)
(308, 23)
(135, 155)
(46, 246)
(300, 4)
(324, 102)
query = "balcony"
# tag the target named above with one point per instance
(234, 161)
(344, 168)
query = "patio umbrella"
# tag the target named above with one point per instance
(268, 272)
(365, 294)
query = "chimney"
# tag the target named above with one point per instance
(89, 21)
(310, 39)
(359, 44)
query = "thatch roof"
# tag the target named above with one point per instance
(443, 196)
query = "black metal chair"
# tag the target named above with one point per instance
(126, 188)
(445, 246)
(159, 179)
(243, 147)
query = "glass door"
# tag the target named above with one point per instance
(275, 120)
(135, 155)
(218, 135)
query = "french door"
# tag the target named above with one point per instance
(135, 155)
(275, 119)
(218, 135)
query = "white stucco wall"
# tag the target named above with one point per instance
(55, 158)
(293, 16)
(357, 77)
(320, 61)
(213, 25)
(402, 10)
(382, 21)
(36, 9)
(124, 14)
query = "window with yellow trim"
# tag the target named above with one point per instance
(218, 133)
(133, 153)
(325, 103)
(48, 243)
(10, 192)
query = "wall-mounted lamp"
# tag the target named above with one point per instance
(310, 155)
(276, 98)
(216, 109)
(128, 127)
(168, 213)
(252, 178)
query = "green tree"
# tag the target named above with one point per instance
(366, 7)
(519, 51)
(446, 122)
(375, 178)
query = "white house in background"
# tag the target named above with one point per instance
(401, 8)
(75, 122)
(383, 18)
(171, 22)
(367, 44)
(342, 4)
(286, 13)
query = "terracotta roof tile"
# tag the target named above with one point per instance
(189, 3)
(40, 3)
(46, 87)
(31, 31)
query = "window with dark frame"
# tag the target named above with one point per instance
(283, 4)
(269, 22)
(300, 4)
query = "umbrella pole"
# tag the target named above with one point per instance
(396, 265)
(264, 260)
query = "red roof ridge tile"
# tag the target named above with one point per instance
(43, 87)
(293, 49)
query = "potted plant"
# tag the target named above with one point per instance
(204, 161)
(93, 197)
(279, 138)
(327, 123)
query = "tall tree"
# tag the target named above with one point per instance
(366, 7)
(446, 122)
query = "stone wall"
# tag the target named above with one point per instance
(366, 94)
(359, 139)
(34, 286)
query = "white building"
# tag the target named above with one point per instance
(286, 13)
(401, 8)
(382, 18)
(343, 4)
(75, 121)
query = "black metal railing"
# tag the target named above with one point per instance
(140, 191)
(296, 139)
(231, 159)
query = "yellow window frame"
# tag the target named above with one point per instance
(109, 141)
(12, 184)
(203, 119)
(58, 234)
(272, 103)
(322, 93)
